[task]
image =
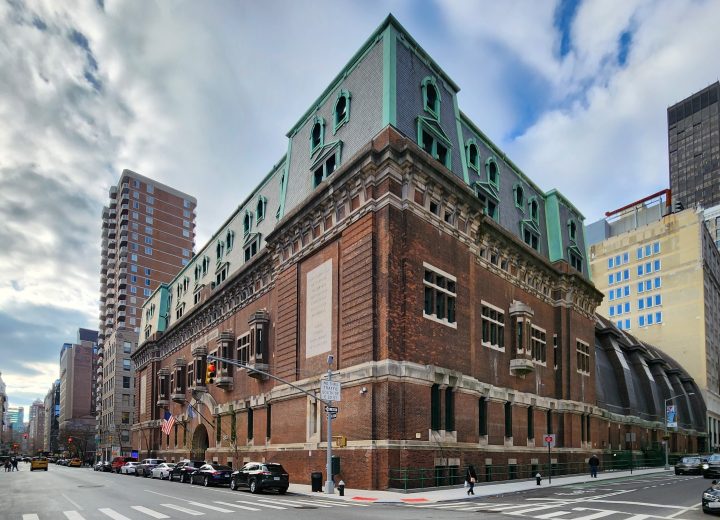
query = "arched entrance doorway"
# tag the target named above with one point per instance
(200, 443)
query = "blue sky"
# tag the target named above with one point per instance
(199, 95)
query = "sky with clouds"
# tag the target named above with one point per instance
(199, 95)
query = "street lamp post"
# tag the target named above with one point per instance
(667, 436)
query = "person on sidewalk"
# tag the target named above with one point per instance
(594, 462)
(471, 478)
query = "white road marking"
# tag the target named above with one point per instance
(628, 502)
(208, 506)
(183, 510)
(149, 512)
(553, 514)
(263, 505)
(112, 514)
(299, 503)
(331, 503)
(73, 515)
(593, 515)
(690, 508)
(532, 509)
(235, 505)
(77, 506)
(638, 517)
(31, 516)
(286, 503)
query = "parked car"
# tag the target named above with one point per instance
(102, 465)
(711, 498)
(129, 468)
(258, 476)
(711, 468)
(689, 465)
(211, 475)
(74, 463)
(162, 471)
(145, 467)
(119, 462)
(184, 469)
(39, 463)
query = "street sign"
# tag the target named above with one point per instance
(549, 440)
(333, 416)
(329, 390)
(331, 409)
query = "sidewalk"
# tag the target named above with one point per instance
(460, 493)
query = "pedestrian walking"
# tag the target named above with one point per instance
(594, 462)
(471, 478)
(7, 465)
(15, 464)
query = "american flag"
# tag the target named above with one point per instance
(168, 423)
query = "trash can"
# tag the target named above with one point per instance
(316, 481)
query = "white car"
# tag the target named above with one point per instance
(128, 468)
(162, 471)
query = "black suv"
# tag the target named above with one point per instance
(184, 469)
(258, 476)
(144, 469)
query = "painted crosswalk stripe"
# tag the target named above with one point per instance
(112, 514)
(235, 505)
(531, 510)
(183, 510)
(286, 503)
(554, 514)
(30, 516)
(263, 505)
(73, 515)
(208, 506)
(592, 516)
(298, 503)
(149, 512)
(332, 503)
(639, 517)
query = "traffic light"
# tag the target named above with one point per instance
(69, 439)
(210, 373)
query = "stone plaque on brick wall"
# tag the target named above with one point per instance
(318, 310)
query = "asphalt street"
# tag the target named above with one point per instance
(79, 493)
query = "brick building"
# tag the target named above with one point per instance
(451, 291)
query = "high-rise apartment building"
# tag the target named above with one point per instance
(78, 362)
(52, 418)
(36, 426)
(660, 273)
(148, 235)
(694, 148)
(16, 418)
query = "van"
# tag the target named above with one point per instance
(119, 462)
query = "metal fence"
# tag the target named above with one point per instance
(447, 476)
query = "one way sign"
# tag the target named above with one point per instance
(331, 409)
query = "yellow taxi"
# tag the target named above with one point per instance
(39, 463)
(74, 463)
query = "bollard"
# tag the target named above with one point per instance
(341, 488)
(538, 477)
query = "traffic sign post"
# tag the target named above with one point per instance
(549, 440)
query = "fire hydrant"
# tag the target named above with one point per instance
(341, 488)
(538, 478)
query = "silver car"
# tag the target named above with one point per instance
(162, 471)
(128, 468)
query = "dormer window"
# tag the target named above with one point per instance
(572, 230)
(493, 174)
(317, 134)
(260, 209)
(534, 211)
(341, 114)
(519, 195)
(473, 157)
(431, 97)
(247, 223)
(219, 250)
(229, 239)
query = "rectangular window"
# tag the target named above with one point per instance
(658, 317)
(125, 418)
(627, 307)
(483, 415)
(639, 253)
(127, 347)
(649, 319)
(133, 289)
(531, 422)
(656, 265)
(626, 290)
(549, 421)
(268, 421)
(136, 195)
(618, 261)
(612, 310)
(126, 382)
(435, 407)
(538, 341)
(640, 270)
(640, 287)
(641, 321)
(493, 326)
(250, 423)
(148, 230)
(147, 271)
(619, 308)
(648, 301)
(583, 357)
(133, 268)
(449, 410)
(626, 258)
(126, 364)
(133, 278)
(135, 215)
(147, 281)
(626, 274)
(185, 253)
(186, 213)
(148, 240)
(658, 299)
(136, 205)
(627, 324)
(440, 295)
(508, 420)
(612, 295)
(147, 292)
(133, 257)
(611, 262)
(648, 285)
(148, 251)
(150, 211)
(148, 220)
(641, 303)
(186, 233)
(150, 199)
(657, 282)
(186, 223)
(656, 248)
(648, 250)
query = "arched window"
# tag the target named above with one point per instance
(534, 209)
(431, 96)
(473, 157)
(341, 114)
(260, 208)
(219, 250)
(519, 197)
(229, 239)
(317, 134)
(247, 223)
(572, 230)
(493, 174)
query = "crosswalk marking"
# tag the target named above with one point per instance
(149, 512)
(532, 509)
(183, 510)
(112, 514)
(298, 503)
(332, 503)
(285, 503)
(236, 505)
(31, 516)
(73, 515)
(592, 516)
(553, 514)
(208, 506)
(638, 517)
(264, 505)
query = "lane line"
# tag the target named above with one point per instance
(553, 514)
(235, 505)
(208, 506)
(75, 504)
(73, 515)
(689, 508)
(112, 514)
(30, 516)
(628, 502)
(149, 512)
(183, 510)
(262, 505)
